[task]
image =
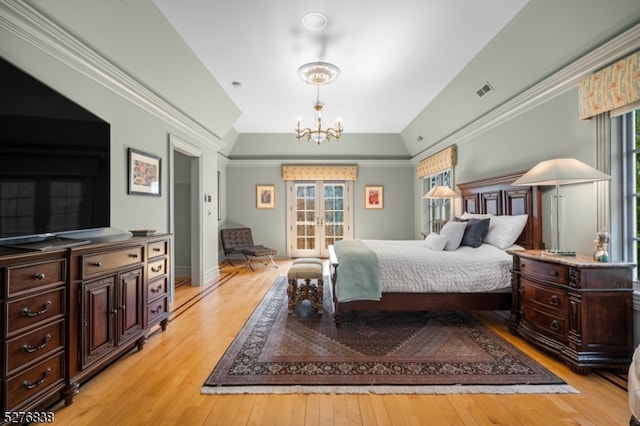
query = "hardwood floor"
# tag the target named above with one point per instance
(161, 384)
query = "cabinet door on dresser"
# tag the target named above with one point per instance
(98, 333)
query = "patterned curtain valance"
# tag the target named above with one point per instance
(310, 172)
(613, 87)
(438, 162)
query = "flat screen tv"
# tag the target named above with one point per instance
(54, 162)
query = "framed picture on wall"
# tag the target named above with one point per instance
(144, 173)
(265, 196)
(373, 197)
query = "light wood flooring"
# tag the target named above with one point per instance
(161, 384)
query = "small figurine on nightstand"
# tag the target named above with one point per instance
(602, 239)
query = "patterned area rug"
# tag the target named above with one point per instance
(372, 352)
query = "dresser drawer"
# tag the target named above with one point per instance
(554, 326)
(156, 289)
(157, 309)
(548, 299)
(27, 348)
(43, 377)
(156, 268)
(158, 248)
(25, 278)
(28, 312)
(96, 264)
(548, 271)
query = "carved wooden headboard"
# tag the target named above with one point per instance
(497, 196)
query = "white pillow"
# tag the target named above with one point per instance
(505, 230)
(435, 242)
(454, 231)
(467, 215)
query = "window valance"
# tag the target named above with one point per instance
(611, 88)
(438, 162)
(311, 172)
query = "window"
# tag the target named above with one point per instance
(436, 212)
(630, 191)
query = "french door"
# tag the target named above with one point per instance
(318, 214)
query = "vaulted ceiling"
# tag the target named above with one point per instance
(394, 57)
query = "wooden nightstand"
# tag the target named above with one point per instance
(575, 308)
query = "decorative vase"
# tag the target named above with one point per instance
(602, 239)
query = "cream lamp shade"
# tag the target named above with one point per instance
(440, 191)
(560, 171)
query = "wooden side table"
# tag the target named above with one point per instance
(574, 307)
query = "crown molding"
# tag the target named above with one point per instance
(34, 28)
(254, 163)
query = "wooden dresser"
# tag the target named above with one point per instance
(69, 312)
(575, 308)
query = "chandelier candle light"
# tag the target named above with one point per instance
(318, 73)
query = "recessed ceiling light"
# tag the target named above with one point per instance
(314, 21)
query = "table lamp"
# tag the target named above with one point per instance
(561, 171)
(440, 192)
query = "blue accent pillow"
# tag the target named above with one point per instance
(474, 232)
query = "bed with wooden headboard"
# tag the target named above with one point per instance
(492, 196)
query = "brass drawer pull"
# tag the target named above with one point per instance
(28, 349)
(156, 249)
(133, 255)
(28, 385)
(156, 269)
(38, 276)
(553, 273)
(554, 301)
(28, 313)
(96, 264)
(555, 325)
(157, 289)
(157, 310)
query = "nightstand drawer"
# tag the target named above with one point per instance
(553, 326)
(546, 298)
(548, 271)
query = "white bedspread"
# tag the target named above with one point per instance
(410, 267)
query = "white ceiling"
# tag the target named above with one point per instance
(395, 56)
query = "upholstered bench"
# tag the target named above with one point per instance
(300, 275)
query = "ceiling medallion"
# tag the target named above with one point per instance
(318, 72)
(314, 21)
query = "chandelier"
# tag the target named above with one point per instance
(318, 73)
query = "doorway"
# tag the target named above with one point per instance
(319, 214)
(185, 214)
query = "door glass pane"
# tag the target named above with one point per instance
(305, 216)
(333, 213)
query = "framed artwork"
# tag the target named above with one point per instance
(265, 196)
(144, 173)
(373, 197)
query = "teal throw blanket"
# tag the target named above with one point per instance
(358, 273)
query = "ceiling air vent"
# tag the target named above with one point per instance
(486, 88)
